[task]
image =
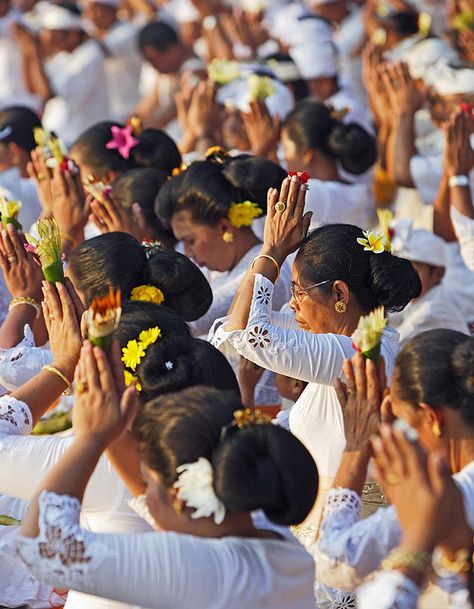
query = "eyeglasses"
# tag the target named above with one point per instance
(298, 293)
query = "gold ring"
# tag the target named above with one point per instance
(392, 479)
(350, 391)
(40, 176)
(280, 206)
(12, 259)
(51, 316)
(81, 387)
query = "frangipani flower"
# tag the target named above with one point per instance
(223, 71)
(122, 141)
(195, 487)
(366, 338)
(147, 293)
(48, 249)
(373, 242)
(385, 217)
(9, 211)
(260, 87)
(103, 318)
(243, 214)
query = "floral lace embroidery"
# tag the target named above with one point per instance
(66, 547)
(330, 598)
(259, 337)
(262, 295)
(16, 414)
(342, 498)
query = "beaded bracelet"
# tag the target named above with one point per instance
(68, 390)
(418, 560)
(271, 260)
(25, 300)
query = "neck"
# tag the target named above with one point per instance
(323, 168)
(245, 240)
(460, 452)
(234, 525)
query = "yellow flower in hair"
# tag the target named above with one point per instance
(243, 214)
(132, 354)
(373, 242)
(385, 217)
(148, 337)
(147, 293)
(260, 87)
(129, 378)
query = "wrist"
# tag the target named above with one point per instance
(458, 179)
(90, 444)
(65, 365)
(276, 252)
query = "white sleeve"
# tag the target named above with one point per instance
(349, 549)
(122, 41)
(388, 590)
(25, 460)
(314, 358)
(464, 228)
(426, 173)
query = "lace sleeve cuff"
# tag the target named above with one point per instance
(15, 417)
(388, 590)
(62, 554)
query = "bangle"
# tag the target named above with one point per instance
(418, 560)
(25, 300)
(458, 181)
(444, 566)
(68, 238)
(68, 390)
(277, 266)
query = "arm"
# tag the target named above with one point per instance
(442, 224)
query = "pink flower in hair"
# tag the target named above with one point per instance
(122, 141)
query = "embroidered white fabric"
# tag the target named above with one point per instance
(15, 416)
(22, 362)
(227, 573)
(139, 506)
(388, 590)
(464, 228)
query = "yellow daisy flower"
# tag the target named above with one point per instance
(243, 214)
(148, 337)
(133, 354)
(147, 293)
(129, 379)
(373, 242)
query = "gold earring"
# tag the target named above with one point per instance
(177, 505)
(340, 306)
(436, 429)
(228, 237)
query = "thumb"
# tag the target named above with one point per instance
(129, 405)
(306, 222)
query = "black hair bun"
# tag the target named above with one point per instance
(463, 366)
(266, 467)
(394, 281)
(353, 146)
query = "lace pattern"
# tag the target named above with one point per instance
(330, 598)
(342, 498)
(140, 507)
(388, 590)
(62, 552)
(15, 416)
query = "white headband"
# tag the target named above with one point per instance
(58, 18)
(447, 80)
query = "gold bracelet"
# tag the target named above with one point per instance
(57, 372)
(25, 300)
(418, 560)
(445, 566)
(268, 258)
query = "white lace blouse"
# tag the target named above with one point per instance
(274, 341)
(464, 228)
(167, 570)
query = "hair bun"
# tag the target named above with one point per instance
(394, 281)
(353, 146)
(463, 366)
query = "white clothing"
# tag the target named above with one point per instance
(224, 287)
(427, 172)
(348, 38)
(459, 279)
(336, 202)
(24, 190)
(79, 83)
(122, 68)
(13, 91)
(464, 228)
(30, 458)
(357, 113)
(274, 341)
(435, 309)
(167, 570)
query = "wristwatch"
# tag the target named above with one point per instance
(458, 181)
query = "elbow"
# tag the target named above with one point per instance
(334, 572)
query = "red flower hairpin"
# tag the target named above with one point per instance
(122, 140)
(302, 175)
(466, 108)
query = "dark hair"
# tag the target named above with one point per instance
(332, 252)
(437, 367)
(22, 122)
(186, 289)
(208, 188)
(118, 260)
(310, 125)
(156, 149)
(91, 145)
(157, 35)
(69, 6)
(141, 186)
(260, 467)
(404, 23)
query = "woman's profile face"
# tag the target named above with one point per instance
(293, 159)
(203, 243)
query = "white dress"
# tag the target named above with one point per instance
(167, 570)
(336, 202)
(79, 84)
(436, 309)
(27, 459)
(464, 228)
(274, 341)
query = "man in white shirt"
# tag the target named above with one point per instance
(123, 64)
(66, 69)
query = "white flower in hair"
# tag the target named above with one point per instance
(169, 365)
(195, 488)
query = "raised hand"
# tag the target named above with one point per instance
(21, 272)
(103, 410)
(42, 175)
(68, 205)
(459, 155)
(286, 224)
(263, 130)
(401, 88)
(110, 217)
(360, 398)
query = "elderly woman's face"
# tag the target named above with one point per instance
(314, 308)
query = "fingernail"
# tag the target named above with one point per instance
(376, 443)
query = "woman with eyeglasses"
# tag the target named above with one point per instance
(335, 280)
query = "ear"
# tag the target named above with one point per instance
(224, 224)
(308, 157)
(435, 415)
(341, 292)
